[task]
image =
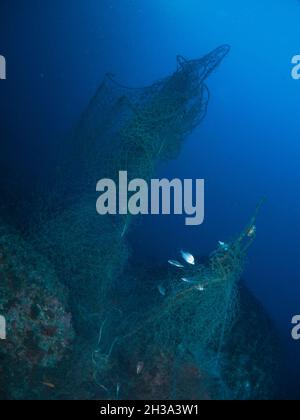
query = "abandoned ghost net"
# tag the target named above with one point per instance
(121, 129)
(180, 344)
(132, 129)
(100, 346)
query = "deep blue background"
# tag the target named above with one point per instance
(248, 146)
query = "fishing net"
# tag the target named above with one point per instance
(180, 345)
(89, 254)
(121, 129)
(133, 129)
(178, 349)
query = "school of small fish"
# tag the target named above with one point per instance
(189, 259)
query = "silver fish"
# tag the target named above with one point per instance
(188, 257)
(161, 290)
(139, 368)
(193, 280)
(175, 264)
(118, 391)
(185, 280)
(251, 232)
(223, 245)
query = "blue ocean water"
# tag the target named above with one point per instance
(247, 146)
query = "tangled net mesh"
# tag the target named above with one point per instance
(179, 349)
(121, 129)
(180, 344)
(88, 254)
(132, 129)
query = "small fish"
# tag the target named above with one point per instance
(200, 288)
(162, 290)
(49, 385)
(223, 245)
(118, 391)
(189, 258)
(175, 264)
(139, 368)
(185, 280)
(252, 231)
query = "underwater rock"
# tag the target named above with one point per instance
(252, 354)
(35, 306)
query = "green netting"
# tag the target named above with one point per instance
(121, 129)
(132, 129)
(191, 328)
(181, 346)
(89, 254)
